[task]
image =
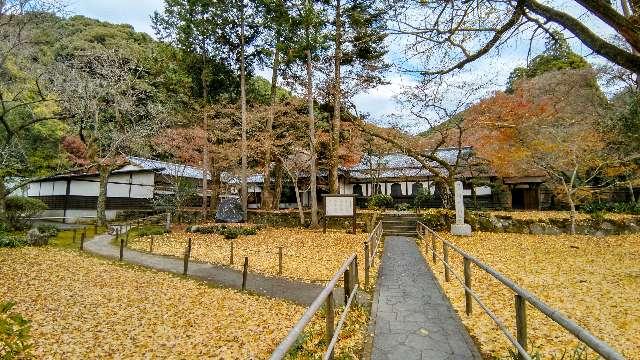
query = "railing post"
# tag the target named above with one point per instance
(347, 285)
(356, 274)
(366, 265)
(467, 282)
(151, 244)
(330, 320)
(521, 321)
(245, 271)
(82, 241)
(121, 248)
(231, 254)
(75, 231)
(187, 255)
(279, 260)
(445, 253)
(433, 247)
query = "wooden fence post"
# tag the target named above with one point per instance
(75, 231)
(187, 255)
(433, 247)
(330, 320)
(521, 321)
(121, 248)
(467, 282)
(279, 260)
(245, 269)
(445, 252)
(347, 285)
(366, 265)
(82, 241)
(151, 244)
(231, 254)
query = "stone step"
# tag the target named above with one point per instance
(399, 227)
(398, 233)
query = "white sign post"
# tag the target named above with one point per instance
(339, 206)
(460, 228)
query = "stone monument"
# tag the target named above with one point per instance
(229, 210)
(460, 228)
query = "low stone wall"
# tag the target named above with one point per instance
(364, 220)
(485, 221)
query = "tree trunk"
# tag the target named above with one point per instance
(205, 170)
(298, 200)
(215, 190)
(243, 111)
(633, 196)
(101, 211)
(205, 151)
(267, 196)
(337, 103)
(572, 206)
(278, 190)
(312, 142)
(3, 201)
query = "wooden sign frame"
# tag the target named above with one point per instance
(353, 216)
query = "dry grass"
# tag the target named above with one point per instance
(308, 255)
(83, 307)
(593, 281)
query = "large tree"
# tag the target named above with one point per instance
(358, 38)
(28, 109)
(113, 110)
(451, 35)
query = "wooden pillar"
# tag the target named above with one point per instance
(445, 252)
(521, 321)
(467, 282)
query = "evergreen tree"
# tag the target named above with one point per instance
(359, 45)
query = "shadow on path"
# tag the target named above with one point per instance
(413, 317)
(296, 291)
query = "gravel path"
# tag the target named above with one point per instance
(413, 318)
(296, 291)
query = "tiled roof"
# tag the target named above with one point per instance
(401, 165)
(167, 168)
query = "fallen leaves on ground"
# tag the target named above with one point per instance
(308, 255)
(594, 281)
(83, 307)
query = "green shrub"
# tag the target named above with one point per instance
(422, 199)
(14, 333)
(380, 201)
(229, 232)
(602, 207)
(48, 230)
(403, 207)
(12, 240)
(21, 208)
(147, 230)
(439, 219)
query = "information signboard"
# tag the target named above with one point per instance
(336, 205)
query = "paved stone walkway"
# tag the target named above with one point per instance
(296, 291)
(413, 318)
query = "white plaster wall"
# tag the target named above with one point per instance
(60, 187)
(46, 188)
(84, 188)
(141, 192)
(118, 190)
(347, 189)
(143, 178)
(34, 189)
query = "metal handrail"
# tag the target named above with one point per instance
(597, 345)
(326, 294)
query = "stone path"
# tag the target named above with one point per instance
(413, 318)
(296, 291)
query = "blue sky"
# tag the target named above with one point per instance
(380, 102)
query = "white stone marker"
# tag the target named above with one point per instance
(460, 228)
